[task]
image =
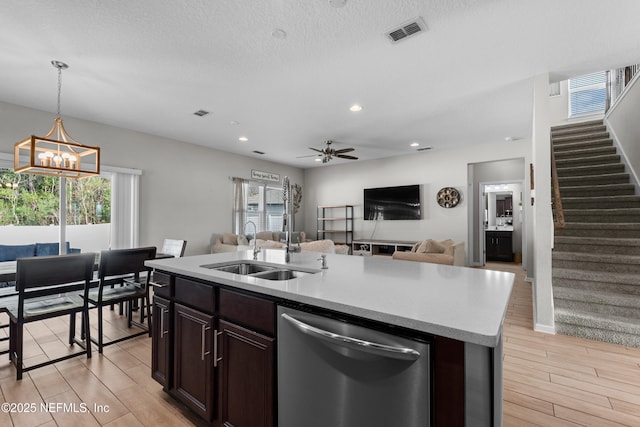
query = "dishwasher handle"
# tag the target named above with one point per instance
(402, 353)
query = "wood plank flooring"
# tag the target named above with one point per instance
(549, 380)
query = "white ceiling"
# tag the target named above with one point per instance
(148, 65)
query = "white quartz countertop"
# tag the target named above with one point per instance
(465, 304)
(499, 228)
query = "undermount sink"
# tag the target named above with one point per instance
(261, 271)
(281, 274)
(242, 268)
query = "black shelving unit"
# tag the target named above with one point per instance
(336, 223)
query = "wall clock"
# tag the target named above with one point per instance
(448, 197)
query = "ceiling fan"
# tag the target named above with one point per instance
(329, 152)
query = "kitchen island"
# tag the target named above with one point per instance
(458, 311)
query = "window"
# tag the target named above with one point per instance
(101, 212)
(258, 202)
(588, 94)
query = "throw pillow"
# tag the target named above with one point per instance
(431, 247)
(230, 239)
(416, 246)
(242, 240)
(448, 245)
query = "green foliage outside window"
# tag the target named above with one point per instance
(34, 200)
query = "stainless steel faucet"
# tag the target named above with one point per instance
(286, 224)
(256, 249)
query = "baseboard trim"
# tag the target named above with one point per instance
(544, 328)
(528, 279)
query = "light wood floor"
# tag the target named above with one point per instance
(549, 380)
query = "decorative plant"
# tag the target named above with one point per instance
(297, 197)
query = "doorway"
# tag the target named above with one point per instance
(502, 221)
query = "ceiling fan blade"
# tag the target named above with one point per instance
(344, 150)
(315, 149)
(342, 156)
(310, 155)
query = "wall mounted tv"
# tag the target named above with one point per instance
(392, 203)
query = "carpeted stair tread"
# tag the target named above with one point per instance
(605, 241)
(601, 202)
(581, 136)
(590, 170)
(577, 125)
(582, 145)
(597, 190)
(598, 258)
(597, 276)
(602, 179)
(597, 297)
(585, 152)
(585, 128)
(624, 215)
(588, 161)
(600, 229)
(599, 321)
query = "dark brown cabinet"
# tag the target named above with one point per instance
(214, 350)
(160, 344)
(193, 360)
(246, 378)
(499, 246)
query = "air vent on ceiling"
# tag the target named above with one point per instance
(258, 152)
(408, 29)
(201, 113)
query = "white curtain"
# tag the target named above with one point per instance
(124, 210)
(240, 187)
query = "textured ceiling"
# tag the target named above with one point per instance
(147, 65)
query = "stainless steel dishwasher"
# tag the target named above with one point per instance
(333, 373)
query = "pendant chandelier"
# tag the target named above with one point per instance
(56, 153)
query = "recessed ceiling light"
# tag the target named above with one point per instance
(279, 33)
(337, 3)
(355, 108)
(414, 144)
(234, 123)
(317, 159)
(243, 139)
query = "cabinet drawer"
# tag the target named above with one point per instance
(247, 310)
(161, 283)
(195, 294)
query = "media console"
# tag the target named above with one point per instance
(379, 247)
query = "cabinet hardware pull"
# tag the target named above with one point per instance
(216, 359)
(204, 330)
(162, 331)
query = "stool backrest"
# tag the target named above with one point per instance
(37, 272)
(118, 262)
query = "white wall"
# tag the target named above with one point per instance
(542, 215)
(185, 191)
(344, 184)
(622, 121)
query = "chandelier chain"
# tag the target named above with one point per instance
(59, 88)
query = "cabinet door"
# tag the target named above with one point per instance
(160, 340)
(505, 247)
(491, 246)
(246, 378)
(193, 360)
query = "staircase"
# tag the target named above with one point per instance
(596, 257)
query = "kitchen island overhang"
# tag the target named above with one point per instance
(465, 304)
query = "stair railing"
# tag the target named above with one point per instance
(558, 218)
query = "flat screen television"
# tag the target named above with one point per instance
(392, 203)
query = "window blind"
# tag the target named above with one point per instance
(588, 94)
